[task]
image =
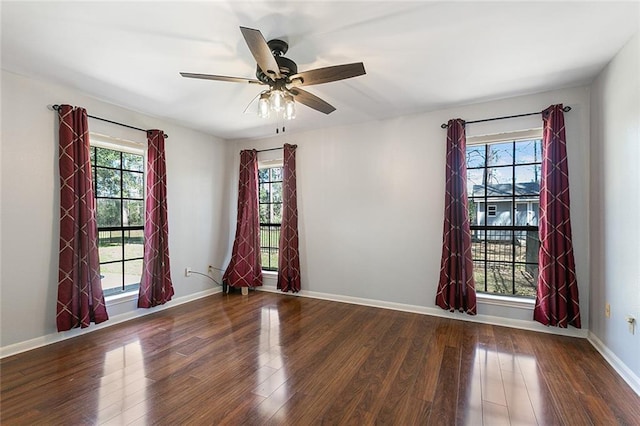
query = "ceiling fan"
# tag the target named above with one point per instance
(282, 76)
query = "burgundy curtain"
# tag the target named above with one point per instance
(80, 298)
(456, 289)
(557, 295)
(155, 283)
(289, 259)
(245, 269)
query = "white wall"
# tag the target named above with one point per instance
(371, 199)
(615, 205)
(197, 202)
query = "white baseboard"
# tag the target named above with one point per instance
(436, 311)
(621, 368)
(48, 339)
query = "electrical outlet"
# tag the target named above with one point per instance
(607, 310)
(187, 271)
(210, 269)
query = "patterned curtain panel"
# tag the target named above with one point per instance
(245, 268)
(80, 298)
(456, 289)
(289, 258)
(557, 295)
(155, 282)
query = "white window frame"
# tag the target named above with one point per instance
(505, 300)
(132, 147)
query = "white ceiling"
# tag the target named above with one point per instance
(419, 56)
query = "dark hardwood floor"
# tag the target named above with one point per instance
(276, 359)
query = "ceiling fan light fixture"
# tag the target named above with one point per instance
(263, 105)
(276, 100)
(289, 107)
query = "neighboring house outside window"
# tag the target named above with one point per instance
(118, 178)
(270, 205)
(503, 188)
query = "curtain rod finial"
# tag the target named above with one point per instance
(444, 125)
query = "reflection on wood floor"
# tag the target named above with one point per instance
(277, 359)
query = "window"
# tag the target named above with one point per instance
(503, 188)
(270, 202)
(119, 191)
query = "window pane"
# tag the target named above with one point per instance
(110, 245)
(132, 185)
(473, 212)
(480, 215)
(264, 258)
(500, 154)
(132, 162)
(263, 175)
(534, 213)
(269, 241)
(133, 213)
(276, 216)
(475, 156)
(269, 258)
(111, 274)
(276, 174)
(133, 244)
(93, 155)
(529, 151)
(477, 244)
(526, 279)
(276, 192)
(264, 192)
(499, 214)
(107, 157)
(521, 216)
(273, 258)
(499, 245)
(478, 275)
(264, 213)
(499, 181)
(475, 183)
(527, 180)
(527, 246)
(108, 213)
(132, 272)
(275, 236)
(500, 277)
(107, 183)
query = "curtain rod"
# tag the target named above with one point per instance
(444, 125)
(274, 149)
(57, 108)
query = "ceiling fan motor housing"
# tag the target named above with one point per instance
(286, 65)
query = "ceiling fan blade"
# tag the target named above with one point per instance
(220, 78)
(312, 101)
(328, 74)
(261, 52)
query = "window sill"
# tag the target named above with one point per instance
(506, 301)
(117, 299)
(270, 273)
